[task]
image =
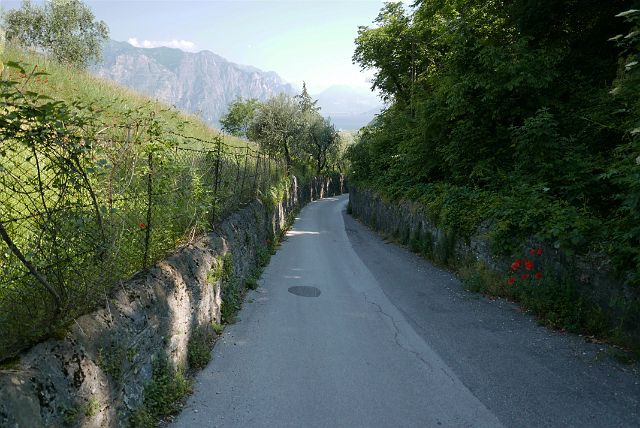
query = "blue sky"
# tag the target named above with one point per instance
(300, 40)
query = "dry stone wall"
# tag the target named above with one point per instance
(96, 374)
(408, 222)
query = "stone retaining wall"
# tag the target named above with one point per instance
(408, 222)
(104, 362)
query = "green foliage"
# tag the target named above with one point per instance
(66, 29)
(200, 344)
(239, 116)
(479, 278)
(320, 140)
(305, 102)
(231, 291)
(217, 328)
(141, 418)
(252, 282)
(215, 274)
(10, 364)
(92, 407)
(231, 301)
(227, 266)
(276, 126)
(263, 256)
(69, 415)
(387, 48)
(502, 116)
(292, 128)
(555, 302)
(111, 360)
(625, 170)
(277, 192)
(161, 396)
(95, 184)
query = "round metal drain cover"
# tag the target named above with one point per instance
(304, 291)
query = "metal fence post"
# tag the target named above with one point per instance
(216, 183)
(147, 236)
(244, 173)
(255, 176)
(265, 174)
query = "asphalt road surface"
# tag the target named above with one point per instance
(372, 335)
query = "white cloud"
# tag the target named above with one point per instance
(184, 45)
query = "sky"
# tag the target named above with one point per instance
(311, 41)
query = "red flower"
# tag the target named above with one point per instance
(511, 281)
(515, 265)
(539, 251)
(528, 264)
(525, 276)
(532, 251)
(538, 275)
(142, 226)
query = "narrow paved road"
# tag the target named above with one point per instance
(392, 341)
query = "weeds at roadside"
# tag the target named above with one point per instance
(553, 302)
(252, 281)
(161, 396)
(218, 328)
(200, 346)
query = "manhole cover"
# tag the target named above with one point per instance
(304, 291)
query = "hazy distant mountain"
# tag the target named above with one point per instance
(349, 108)
(202, 83)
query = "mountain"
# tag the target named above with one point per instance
(202, 83)
(348, 107)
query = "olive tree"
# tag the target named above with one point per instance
(320, 140)
(239, 116)
(277, 127)
(65, 29)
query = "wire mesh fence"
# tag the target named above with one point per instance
(75, 218)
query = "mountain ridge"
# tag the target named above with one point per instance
(197, 82)
(205, 83)
(349, 108)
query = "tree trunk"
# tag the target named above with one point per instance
(287, 158)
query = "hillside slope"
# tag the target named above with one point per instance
(96, 183)
(68, 84)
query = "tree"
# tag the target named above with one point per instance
(321, 140)
(387, 48)
(64, 29)
(511, 99)
(337, 157)
(276, 127)
(307, 104)
(318, 135)
(625, 170)
(239, 116)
